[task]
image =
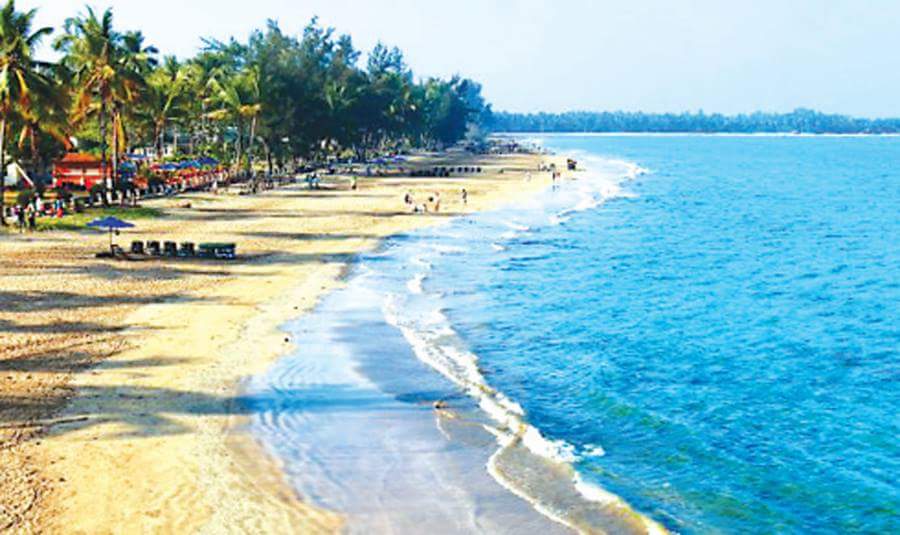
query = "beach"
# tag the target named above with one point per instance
(119, 403)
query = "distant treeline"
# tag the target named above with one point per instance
(799, 121)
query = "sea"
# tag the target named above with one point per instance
(695, 334)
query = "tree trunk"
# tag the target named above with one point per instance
(160, 128)
(3, 173)
(103, 176)
(32, 140)
(237, 148)
(250, 146)
(115, 156)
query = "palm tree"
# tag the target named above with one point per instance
(89, 44)
(238, 98)
(108, 71)
(48, 116)
(21, 75)
(196, 98)
(160, 103)
(133, 62)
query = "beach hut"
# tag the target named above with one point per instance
(77, 170)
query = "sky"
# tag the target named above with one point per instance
(726, 56)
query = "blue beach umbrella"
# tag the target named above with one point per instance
(112, 223)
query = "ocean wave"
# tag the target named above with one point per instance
(415, 284)
(435, 342)
(448, 249)
(514, 225)
(522, 448)
(598, 187)
(592, 450)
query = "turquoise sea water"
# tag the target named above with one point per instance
(707, 327)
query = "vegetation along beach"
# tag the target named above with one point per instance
(257, 276)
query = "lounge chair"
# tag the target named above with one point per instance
(187, 249)
(137, 247)
(153, 248)
(223, 251)
(170, 248)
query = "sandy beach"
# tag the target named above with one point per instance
(119, 378)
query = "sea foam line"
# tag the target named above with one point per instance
(434, 341)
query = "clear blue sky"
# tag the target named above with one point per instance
(720, 56)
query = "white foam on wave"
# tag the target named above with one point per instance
(598, 187)
(517, 226)
(448, 249)
(511, 487)
(420, 261)
(415, 284)
(593, 492)
(593, 450)
(435, 342)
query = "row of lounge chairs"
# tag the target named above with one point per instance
(445, 171)
(223, 251)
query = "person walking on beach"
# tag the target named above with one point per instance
(20, 215)
(465, 197)
(32, 218)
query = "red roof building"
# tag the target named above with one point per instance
(78, 170)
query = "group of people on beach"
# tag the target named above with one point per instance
(434, 200)
(26, 216)
(432, 203)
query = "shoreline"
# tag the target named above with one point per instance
(248, 449)
(315, 404)
(157, 431)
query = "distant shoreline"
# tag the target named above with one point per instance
(689, 134)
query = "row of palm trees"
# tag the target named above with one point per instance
(274, 96)
(101, 73)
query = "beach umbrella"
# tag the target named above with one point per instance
(111, 223)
